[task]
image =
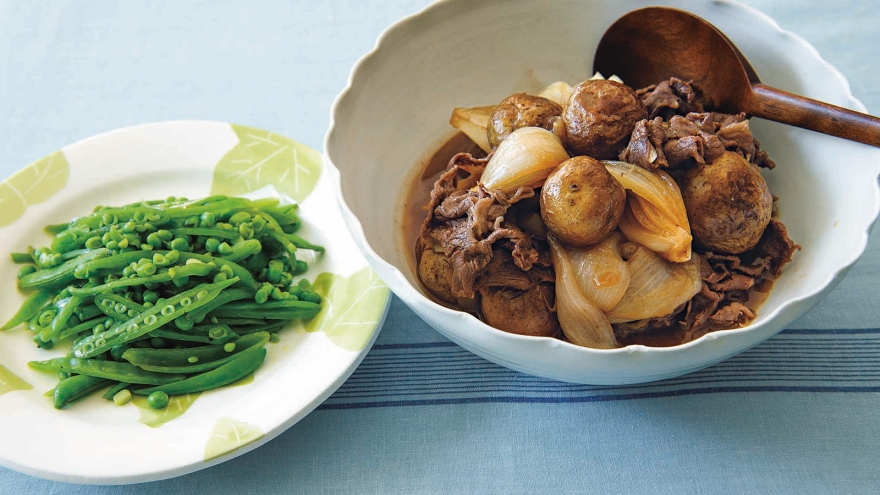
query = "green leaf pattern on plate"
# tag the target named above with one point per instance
(229, 435)
(10, 382)
(34, 184)
(351, 307)
(262, 158)
(154, 418)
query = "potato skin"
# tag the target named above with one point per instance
(600, 117)
(728, 204)
(521, 312)
(581, 203)
(435, 273)
(521, 110)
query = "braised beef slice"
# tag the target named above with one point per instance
(680, 133)
(722, 301)
(466, 221)
(775, 247)
(671, 97)
(503, 272)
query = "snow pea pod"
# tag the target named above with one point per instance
(207, 232)
(110, 370)
(204, 334)
(32, 306)
(293, 309)
(150, 319)
(224, 375)
(60, 275)
(227, 296)
(137, 213)
(244, 249)
(238, 271)
(110, 264)
(304, 244)
(194, 359)
(78, 329)
(173, 273)
(117, 307)
(70, 389)
(216, 207)
(65, 308)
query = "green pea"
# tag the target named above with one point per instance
(211, 245)
(146, 270)
(261, 296)
(154, 240)
(208, 219)
(94, 242)
(180, 244)
(157, 399)
(240, 217)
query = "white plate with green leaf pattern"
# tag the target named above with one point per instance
(95, 441)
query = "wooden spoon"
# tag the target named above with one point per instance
(653, 44)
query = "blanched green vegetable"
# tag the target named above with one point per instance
(175, 294)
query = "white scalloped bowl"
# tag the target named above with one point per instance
(395, 110)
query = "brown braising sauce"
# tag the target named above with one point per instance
(419, 193)
(414, 213)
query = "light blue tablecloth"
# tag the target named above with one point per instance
(420, 414)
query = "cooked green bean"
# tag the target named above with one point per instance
(75, 387)
(60, 275)
(108, 395)
(207, 232)
(80, 328)
(65, 309)
(224, 375)
(110, 370)
(205, 334)
(193, 359)
(173, 273)
(31, 307)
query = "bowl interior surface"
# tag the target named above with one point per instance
(459, 54)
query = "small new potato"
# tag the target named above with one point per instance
(435, 272)
(728, 204)
(521, 110)
(600, 117)
(581, 203)
(521, 312)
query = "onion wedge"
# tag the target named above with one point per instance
(655, 216)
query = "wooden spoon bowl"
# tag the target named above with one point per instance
(653, 44)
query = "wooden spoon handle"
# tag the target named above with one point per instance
(787, 108)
